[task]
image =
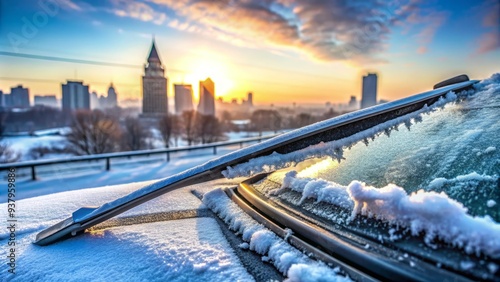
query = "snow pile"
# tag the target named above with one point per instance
(436, 215)
(491, 203)
(319, 189)
(439, 182)
(287, 259)
(333, 149)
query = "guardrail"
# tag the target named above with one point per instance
(109, 156)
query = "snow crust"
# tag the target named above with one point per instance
(178, 250)
(434, 214)
(334, 148)
(473, 176)
(288, 260)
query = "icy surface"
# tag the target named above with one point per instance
(287, 259)
(435, 214)
(179, 250)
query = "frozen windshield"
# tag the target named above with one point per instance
(433, 178)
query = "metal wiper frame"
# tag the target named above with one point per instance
(325, 131)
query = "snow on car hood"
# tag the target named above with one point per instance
(192, 249)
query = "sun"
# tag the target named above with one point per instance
(204, 68)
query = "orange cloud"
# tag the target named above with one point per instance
(326, 30)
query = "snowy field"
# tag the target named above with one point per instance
(23, 144)
(64, 177)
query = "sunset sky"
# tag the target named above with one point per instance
(285, 51)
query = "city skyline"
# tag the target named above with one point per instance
(411, 47)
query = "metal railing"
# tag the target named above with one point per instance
(109, 156)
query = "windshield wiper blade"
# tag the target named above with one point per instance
(325, 131)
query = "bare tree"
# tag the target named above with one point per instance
(93, 133)
(176, 129)
(135, 136)
(208, 129)
(226, 121)
(303, 119)
(188, 126)
(7, 155)
(262, 120)
(170, 129)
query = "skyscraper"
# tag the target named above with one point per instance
(75, 96)
(250, 99)
(154, 85)
(207, 97)
(183, 98)
(20, 97)
(112, 99)
(369, 92)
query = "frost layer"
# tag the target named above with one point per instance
(334, 148)
(431, 213)
(287, 259)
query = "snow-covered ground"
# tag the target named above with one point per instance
(58, 178)
(23, 144)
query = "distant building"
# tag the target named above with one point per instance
(19, 97)
(112, 98)
(2, 103)
(207, 97)
(369, 92)
(353, 103)
(75, 96)
(183, 98)
(47, 100)
(154, 85)
(250, 99)
(94, 100)
(7, 101)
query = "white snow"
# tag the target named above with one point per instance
(491, 203)
(436, 215)
(179, 250)
(492, 267)
(288, 260)
(473, 176)
(490, 150)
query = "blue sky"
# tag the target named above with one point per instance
(285, 51)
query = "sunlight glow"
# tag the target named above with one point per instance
(204, 68)
(315, 169)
